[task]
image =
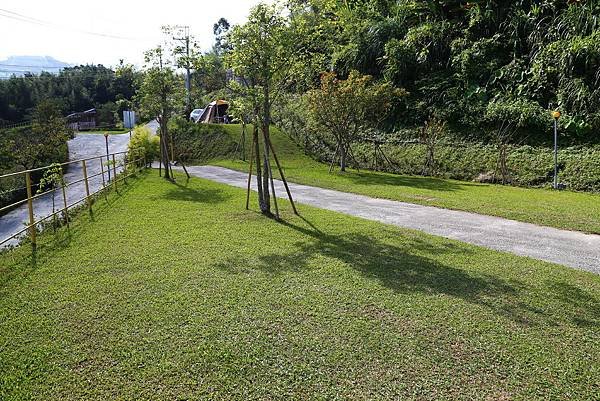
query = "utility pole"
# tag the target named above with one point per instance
(188, 79)
(556, 116)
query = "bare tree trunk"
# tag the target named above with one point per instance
(164, 146)
(343, 157)
(259, 182)
(266, 122)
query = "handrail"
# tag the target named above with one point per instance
(138, 161)
(33, 170)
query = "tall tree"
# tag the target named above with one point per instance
(261, 55)
(159, 96)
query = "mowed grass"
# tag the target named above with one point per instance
(176, 292)
(560, 209)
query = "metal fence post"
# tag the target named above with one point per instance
(32, 232)
(103, 181)
(114, 172)
(87, 186)
(64, 194)
(125, 169)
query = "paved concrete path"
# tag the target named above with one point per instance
(568, 248)
(82, 146)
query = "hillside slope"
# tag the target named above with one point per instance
(566, 210)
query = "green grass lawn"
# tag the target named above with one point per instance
(568, 210)
(176, 292)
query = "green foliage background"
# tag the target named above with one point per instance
(455, 58)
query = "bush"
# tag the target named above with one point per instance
(26, 148)
(199, 142)
(143, 138)
(579, 167)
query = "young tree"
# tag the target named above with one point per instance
(159, 96)
(510, 120)
(429, 135)
(261, 55)
(343, 109)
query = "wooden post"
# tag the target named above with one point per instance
(102, 170)
(125, 169)
(351, 154)
(64, 193)
(273, 188)
(184, 169)
(114, 163)
(337, 149)
(32, 231)
(250, 172)
(103, 182)
(375, 154)
(285, 184)
(87, 186)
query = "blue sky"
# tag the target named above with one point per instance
(105, 31)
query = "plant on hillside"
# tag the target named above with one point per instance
(343, 109)
(509, 119)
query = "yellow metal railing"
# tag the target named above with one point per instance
(112, 160)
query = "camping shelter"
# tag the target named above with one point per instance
(82, 121)
(215, 112)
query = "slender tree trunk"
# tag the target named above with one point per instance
(266, 121)
(343, 157)
(259, 182)
(164, 145)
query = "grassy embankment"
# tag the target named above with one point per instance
(174, 291)
(565, 209)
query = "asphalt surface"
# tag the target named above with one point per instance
(569, 248)
(81, 147)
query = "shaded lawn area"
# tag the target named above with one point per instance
(564, 209)
(167, 295)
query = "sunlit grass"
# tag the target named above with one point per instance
(176, 292)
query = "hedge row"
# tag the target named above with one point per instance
(579, 166)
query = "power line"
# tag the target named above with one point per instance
(23, 18)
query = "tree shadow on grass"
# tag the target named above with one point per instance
(21, 260)
(186, 193)
(586, 305)
(403, 269)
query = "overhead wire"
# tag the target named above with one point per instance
(31, 20)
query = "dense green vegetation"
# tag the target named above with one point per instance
(477, 78)
(568, 210)
(460, 60)
(75, 88)
(42, 143)
(187, 307)
(529, 166)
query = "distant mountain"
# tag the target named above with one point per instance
(20, 65)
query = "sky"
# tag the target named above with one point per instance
(105, 31)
